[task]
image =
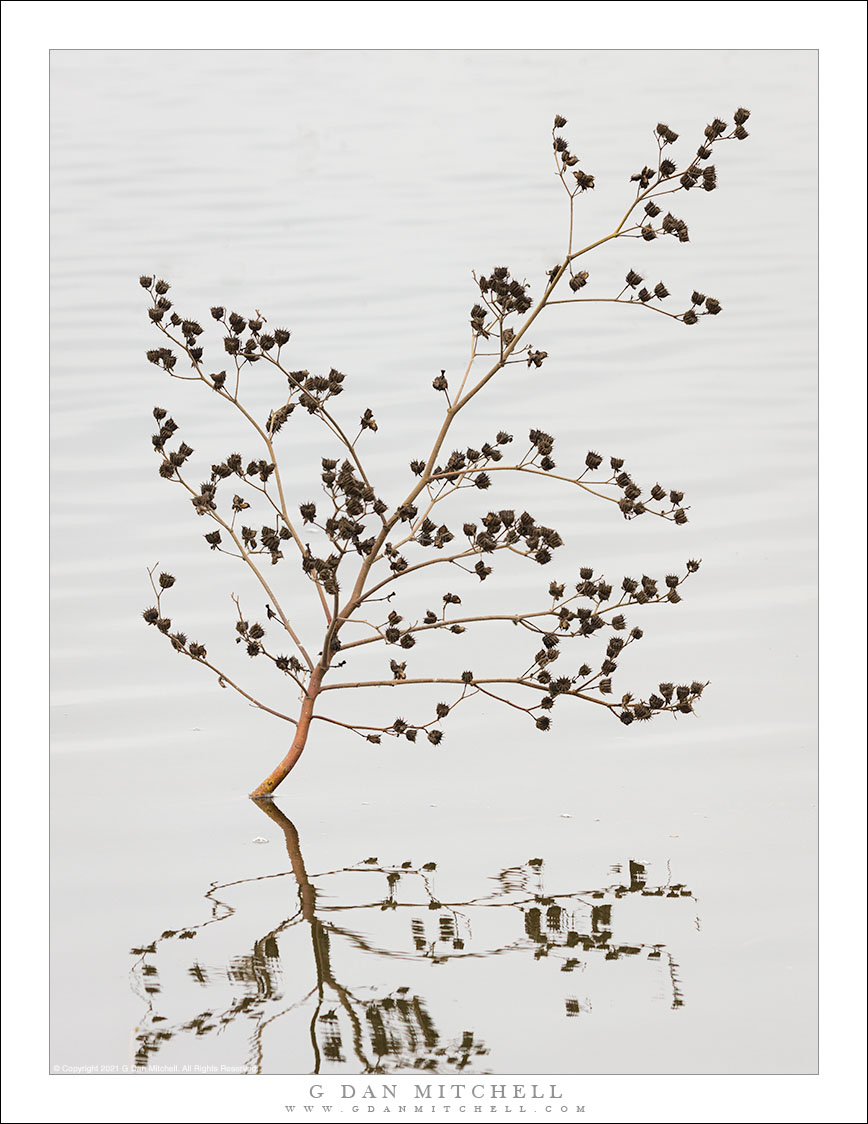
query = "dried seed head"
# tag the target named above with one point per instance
(146, 282)
(644, 177)
(166, 581)
(666, 134)
(162, 287)
(561, 121)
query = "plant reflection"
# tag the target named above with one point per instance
(374, 1030)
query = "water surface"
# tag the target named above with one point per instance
(349, 195)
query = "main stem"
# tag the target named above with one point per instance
(266, 789)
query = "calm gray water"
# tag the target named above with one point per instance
(601, 899)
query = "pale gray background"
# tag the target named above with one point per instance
(349, 195)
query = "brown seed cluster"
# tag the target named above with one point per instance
(565, 158)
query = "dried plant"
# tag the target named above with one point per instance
(366, 545)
